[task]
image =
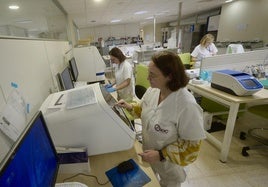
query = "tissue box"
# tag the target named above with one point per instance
(73, 160)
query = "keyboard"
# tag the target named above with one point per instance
(79, 84)
(80, 97)
(70, 184)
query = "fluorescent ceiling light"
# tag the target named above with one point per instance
(160, 13)
(115, 20)
(228, 1)
(143, 23)
(33, 30)
(24, 21)
(13, 7)
(141, 12)
(150, 17)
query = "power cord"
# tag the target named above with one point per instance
(83, 174)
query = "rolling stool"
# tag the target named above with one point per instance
(259, 134)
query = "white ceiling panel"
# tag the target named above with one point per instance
(91, 13)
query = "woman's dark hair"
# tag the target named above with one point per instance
(171, 65)
(117, 53)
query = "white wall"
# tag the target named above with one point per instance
(123, 30)
(118, 31)
(32, 65)
(244, 20)
(149, 33)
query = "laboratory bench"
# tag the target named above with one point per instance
(233, 102)
(99, 164)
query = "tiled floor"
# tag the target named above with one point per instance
(238, 171)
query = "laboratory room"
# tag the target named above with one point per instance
(96, 93)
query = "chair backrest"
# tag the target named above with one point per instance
(260, 110)
(186, 59)
(214, 107)
(141, 80)
(235, 48)
(141, 75)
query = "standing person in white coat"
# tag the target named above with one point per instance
(206, 48)
(172, 121)
(124, 78)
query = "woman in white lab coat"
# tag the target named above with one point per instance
(124, 79)
(172, 121)
(206, 48)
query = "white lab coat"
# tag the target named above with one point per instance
(176, 117)
(124, 71)
(201, 52)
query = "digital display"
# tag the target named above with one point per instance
(34, 161)
(249, 83)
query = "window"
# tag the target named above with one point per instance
(33, 19)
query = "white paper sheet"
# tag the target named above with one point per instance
(13, 116)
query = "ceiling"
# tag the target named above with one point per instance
(92, 13)
(43, 15)
(32, 15)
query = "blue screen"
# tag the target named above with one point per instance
(34, 162)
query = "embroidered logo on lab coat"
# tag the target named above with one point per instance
(159, 129)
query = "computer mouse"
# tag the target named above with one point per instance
(125, 166)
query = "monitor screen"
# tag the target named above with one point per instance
(73, 68)
(248, 83)
(33, 160)
(110, 100)
(66, 79)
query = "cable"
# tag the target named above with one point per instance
(64, 180)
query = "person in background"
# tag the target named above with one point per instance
(206, 48)
(172, 121)
(124, 79)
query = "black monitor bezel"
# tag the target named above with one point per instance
(60, 82)
(14, 149)
(73, 67)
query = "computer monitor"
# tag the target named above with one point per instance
(73, 69)
(66, 79)
(60, 82)
(33, 160)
